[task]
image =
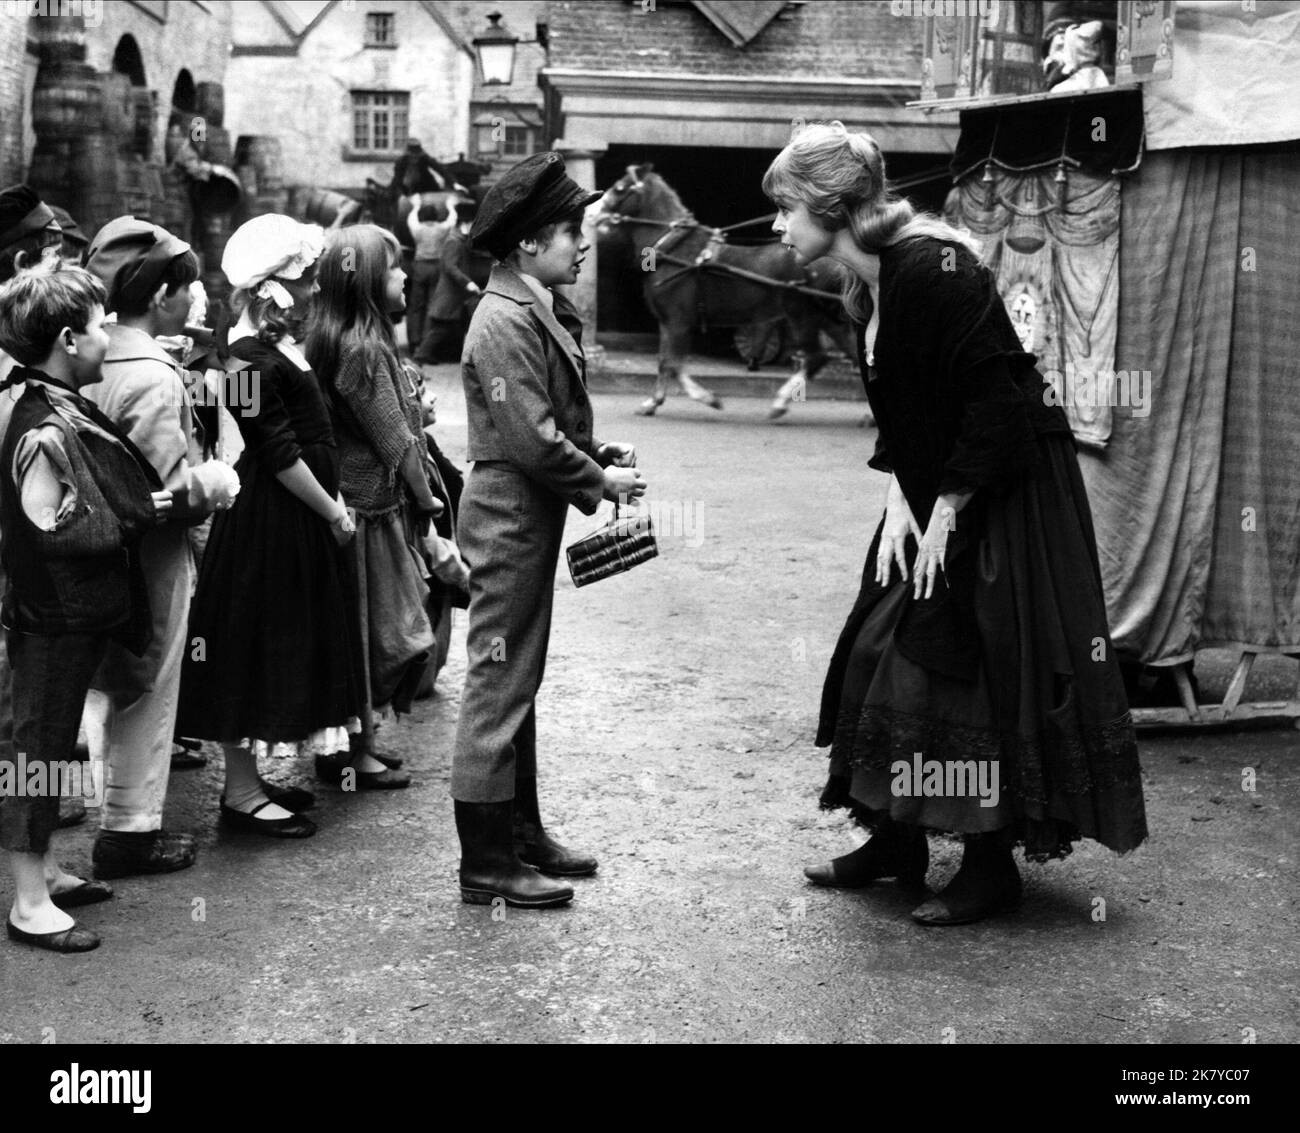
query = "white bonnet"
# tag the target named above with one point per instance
(268, 248)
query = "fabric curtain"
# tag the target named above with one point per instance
(1197, 497)
(1053, 247)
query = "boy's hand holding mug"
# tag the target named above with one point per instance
(622, 484)
(617, 455)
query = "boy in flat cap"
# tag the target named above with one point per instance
(530, 438)
(147, 273)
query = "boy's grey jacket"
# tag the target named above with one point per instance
(525, 395)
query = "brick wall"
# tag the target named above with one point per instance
(193, 37)
(13, 56)
(304, 99)
(820, 39)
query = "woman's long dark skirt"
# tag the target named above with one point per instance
(1048, 706)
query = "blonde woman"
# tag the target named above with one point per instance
(973, 688)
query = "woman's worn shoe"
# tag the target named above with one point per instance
(87, 893)
(357, 746)
(120, 853)
(74, 939)
(291, 798)
(889, 853)
(330, 770)
(973, 894)
(295, 826)
(187, 754)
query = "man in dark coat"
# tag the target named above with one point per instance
(453, 295)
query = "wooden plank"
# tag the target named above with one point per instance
(1214, 714)
(1184, 683)
(1238, 683)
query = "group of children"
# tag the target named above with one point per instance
(331, 557)
(329, 565)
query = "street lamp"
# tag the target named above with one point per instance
(495, 48)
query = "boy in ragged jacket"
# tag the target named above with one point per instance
(76, 496)
(530, 438)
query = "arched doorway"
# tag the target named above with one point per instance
(183, 107)
(128, 61)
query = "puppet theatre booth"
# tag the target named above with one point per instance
(1146, 241)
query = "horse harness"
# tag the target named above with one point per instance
(704, 260)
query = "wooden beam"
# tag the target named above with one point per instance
(1238, 683)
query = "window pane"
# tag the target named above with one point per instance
(381, 129)
(516, 141)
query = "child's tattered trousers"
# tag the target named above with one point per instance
(509, 530)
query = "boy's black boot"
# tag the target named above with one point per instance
(536, 847)
(489, 866)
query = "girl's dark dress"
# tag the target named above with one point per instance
(1010, 660)
(280, 660)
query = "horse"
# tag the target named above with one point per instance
(693, 276)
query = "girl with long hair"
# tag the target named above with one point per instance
(273, 665)
(973, 689)
(383, 475)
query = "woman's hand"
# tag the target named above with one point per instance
(933, 550)
(930, 559)
(898, 525)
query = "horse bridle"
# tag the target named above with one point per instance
(614, 215)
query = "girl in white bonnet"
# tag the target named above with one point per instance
(274, 665)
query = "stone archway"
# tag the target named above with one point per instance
(128, 61)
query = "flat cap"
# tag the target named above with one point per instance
(71, 229)
(130, 257)
(22, 212)
(531, 194)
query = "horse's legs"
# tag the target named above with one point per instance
(674, 343)
(811, 359)
(794, 389)
(679, 339)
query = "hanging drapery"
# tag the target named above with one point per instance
(1052, 242)
(1197, 505)
(1038, 184)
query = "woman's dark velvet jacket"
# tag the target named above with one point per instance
(959, 407)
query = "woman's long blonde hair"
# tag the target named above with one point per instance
(840, 177)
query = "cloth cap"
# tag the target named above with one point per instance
(529, 195)
(22, 212)
(130, 257)
(268, 248)
(70, 228)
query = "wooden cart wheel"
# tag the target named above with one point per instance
(760, 343)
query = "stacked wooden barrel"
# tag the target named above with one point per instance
(260, 166)
(93, 133)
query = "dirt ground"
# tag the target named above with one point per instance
(675, 735)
